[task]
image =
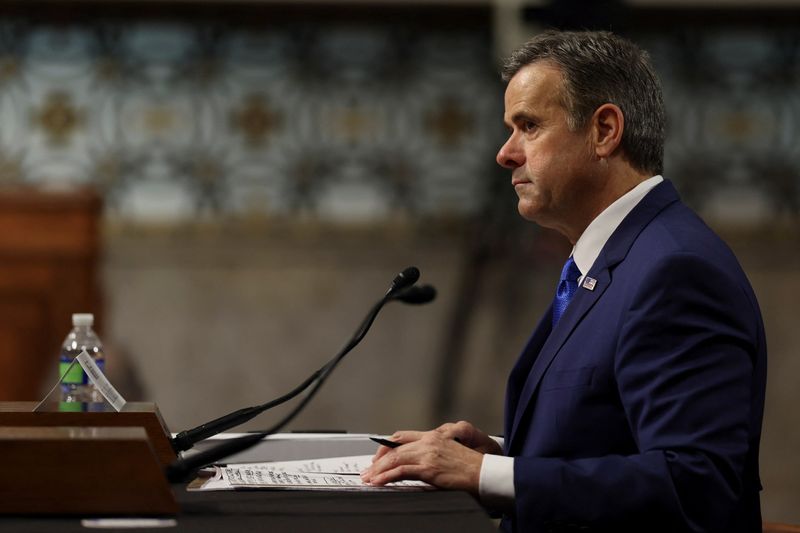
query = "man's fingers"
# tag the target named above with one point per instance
(434, 459)
(462, 432)
(391, 459)
(382, 450)
(403, 437)
(398, 473)
(406, 436)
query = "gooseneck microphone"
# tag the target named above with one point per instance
(186, 439)
(417, 295)
(404, 279)
(402, 289)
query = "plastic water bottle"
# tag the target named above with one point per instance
(76, 385)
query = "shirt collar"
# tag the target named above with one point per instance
(598, 232)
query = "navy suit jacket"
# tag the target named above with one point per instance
(641, 411)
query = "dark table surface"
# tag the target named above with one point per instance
(300, 511)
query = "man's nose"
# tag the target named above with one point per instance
(510, 156)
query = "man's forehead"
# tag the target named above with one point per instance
(543, 70)
(534, 86)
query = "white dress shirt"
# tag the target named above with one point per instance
(496, 485)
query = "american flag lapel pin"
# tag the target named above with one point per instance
(589, 283)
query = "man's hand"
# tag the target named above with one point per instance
(449, 457)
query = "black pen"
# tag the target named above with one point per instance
(395, 444)
(386, 442)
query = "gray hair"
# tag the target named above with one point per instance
(599, 68)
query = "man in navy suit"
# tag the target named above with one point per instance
(637, 403)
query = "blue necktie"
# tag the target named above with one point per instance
(566, 289)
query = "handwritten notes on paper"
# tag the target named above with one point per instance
(336, 473)
(258, 477)
(332, 465)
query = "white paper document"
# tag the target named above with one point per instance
(335, 473)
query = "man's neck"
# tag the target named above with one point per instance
(618, 179)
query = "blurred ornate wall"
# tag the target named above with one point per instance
(176, 120)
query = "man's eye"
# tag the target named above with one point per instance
(528, 125)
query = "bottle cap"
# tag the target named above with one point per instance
(82, 319)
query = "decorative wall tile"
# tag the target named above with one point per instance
(353, 121)
(733, 119)
(173, 120)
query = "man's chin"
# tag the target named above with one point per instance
(536, 215)
(528, 212)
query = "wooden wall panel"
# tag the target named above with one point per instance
(49, 249)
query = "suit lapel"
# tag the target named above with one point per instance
(519, 374)
(581, 303)
(613, 252)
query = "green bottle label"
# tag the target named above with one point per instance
(70, 406)
(75, 374)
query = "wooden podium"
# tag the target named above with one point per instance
(85, 459)
(135, 414)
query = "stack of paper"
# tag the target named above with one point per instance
(335, 473)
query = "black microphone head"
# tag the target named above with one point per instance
(417, 295)
(404, 279)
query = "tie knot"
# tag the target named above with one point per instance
(570, 272)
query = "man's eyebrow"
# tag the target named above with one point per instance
(523, 115)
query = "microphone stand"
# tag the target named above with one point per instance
(185, 440)
(183, 468)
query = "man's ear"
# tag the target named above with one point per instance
(607, 126)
